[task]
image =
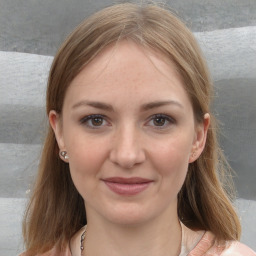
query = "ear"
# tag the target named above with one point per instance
(55, 122)
(200, 138)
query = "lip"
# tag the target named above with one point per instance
(127, 186)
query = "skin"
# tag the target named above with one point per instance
(126, 139)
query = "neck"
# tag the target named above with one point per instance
(158, 237)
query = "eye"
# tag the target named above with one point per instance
(94, 121)
(161, 121)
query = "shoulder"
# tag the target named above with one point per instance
(52, 252)
(236, 248)
(73, 246)
(207, 246)
(204, 244)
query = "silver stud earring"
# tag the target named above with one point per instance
(64, 154)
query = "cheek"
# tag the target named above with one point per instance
(171, 162)
(85, 162)
(172, 154)
(86, 157)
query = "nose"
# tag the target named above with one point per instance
(127, 150)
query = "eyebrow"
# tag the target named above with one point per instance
(144, 107)
(158, 104)
(94, 104)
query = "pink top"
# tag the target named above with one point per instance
(194, 243)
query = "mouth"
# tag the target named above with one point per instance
(127, 186)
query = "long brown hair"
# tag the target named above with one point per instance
(56, 210)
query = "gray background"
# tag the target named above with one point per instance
(30, 33)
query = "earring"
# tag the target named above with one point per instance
(193, 154)
(64, 154)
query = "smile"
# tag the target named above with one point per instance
(127, 186)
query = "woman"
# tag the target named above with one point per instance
(131, 149)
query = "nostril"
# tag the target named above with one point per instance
(127, 159)
(126, 147)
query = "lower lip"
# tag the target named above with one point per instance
(127, 189)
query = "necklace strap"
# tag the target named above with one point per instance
(82, 246)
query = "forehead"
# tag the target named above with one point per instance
(126, 68)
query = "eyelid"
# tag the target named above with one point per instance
(88, 117)
(167, 116)
(170, 120)
(84, 120)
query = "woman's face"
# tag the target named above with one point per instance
(129, 131)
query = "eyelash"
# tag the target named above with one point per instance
(167, 118)
(86, 119)
(170, 120)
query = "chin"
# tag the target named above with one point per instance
(132, 215)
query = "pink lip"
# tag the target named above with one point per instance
(127, 186)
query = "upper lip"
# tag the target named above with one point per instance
(132, 180)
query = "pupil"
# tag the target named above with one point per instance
(97, 121)
(159, 121)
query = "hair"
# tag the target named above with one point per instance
(56, 210)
